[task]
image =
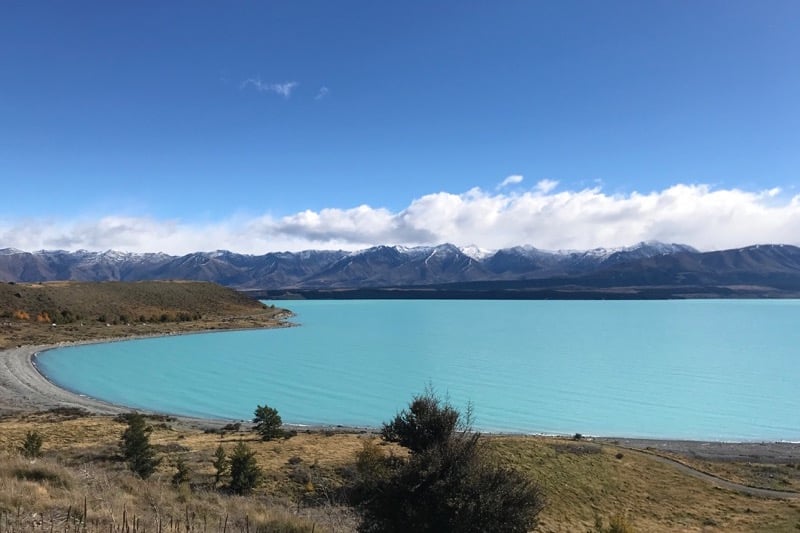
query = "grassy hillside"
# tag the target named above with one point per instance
(45, 313)
(585, 481)
(582, 481)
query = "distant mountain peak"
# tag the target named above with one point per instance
(10, 251)
(647, 262)
(477, 253)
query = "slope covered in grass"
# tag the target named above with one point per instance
(46, 313)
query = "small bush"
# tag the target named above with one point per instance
(578, 449)
(220, 464)
(619, 524)
(371, 460)
(69, 413)
(426, 423)
(181, 476)
(32, 445)
(448, 483)
(42, 474)
(300, 474)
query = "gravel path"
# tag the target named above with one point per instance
(718, 481)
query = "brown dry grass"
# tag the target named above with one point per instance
(584, 481)
(90, 311)
(80, 461)
(581, 480)
(780, 476)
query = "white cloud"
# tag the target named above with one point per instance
(545, 186)
(322, 93)
(511, 180)
(698, 215)
(283, 89)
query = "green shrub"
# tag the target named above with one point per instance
(448, 483)
(220, 464)
(245, 472)
(181, 476)
(426, 423)
(32, 445)
(42, 474)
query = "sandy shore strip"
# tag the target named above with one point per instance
(24, 389)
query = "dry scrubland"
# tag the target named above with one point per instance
(307, 475)
(90, 311)
(304, 476)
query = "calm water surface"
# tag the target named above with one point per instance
(699, 369)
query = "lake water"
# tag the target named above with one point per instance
(696, 369)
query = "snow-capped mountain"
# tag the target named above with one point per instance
(400, 266)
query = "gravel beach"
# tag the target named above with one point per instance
(24, 389)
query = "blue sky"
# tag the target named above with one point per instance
(258, 126)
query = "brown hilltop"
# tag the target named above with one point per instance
(46, 313)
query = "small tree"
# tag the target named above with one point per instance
(220, 464)
(182, 475)
(267, 422)
(245, 472)
(448, 482)
(32, 445)
(136, 448)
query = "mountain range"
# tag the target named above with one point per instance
(521, 271)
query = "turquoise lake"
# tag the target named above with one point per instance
(693, 369)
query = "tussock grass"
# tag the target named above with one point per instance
(583, 487)
(81, 462)
(753, 473)
(88, 311)
(584, 483)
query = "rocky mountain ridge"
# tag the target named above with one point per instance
(644, 264)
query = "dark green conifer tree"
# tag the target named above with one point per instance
(267, 422)
(136, 448)
(245, 472)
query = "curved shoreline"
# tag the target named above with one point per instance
(24, 389)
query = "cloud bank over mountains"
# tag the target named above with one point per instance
(543, 216)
